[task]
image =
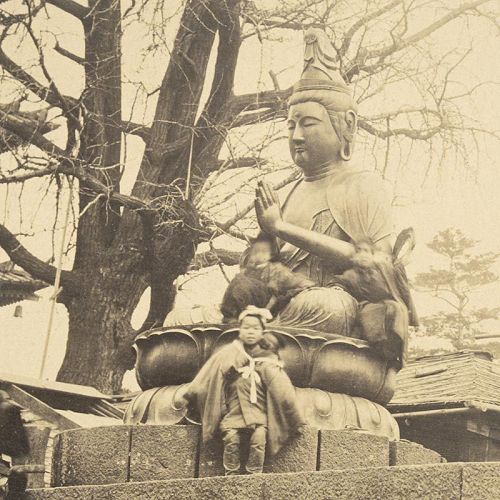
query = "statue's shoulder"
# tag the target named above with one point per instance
(357, 177)
(358, 185)
(360, 203)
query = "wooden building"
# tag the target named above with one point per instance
(451, 403)
(50, 407)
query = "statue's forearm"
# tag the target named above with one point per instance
(321, 245)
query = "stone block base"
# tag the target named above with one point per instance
(123, 453)
(438, 481)
(210, 462)
(405, 452)
(135, 453)
(99, 455)
(351, 449)
(481, 481)
(298, 455)
(163, 452)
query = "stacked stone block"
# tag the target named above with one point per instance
(466, 481)
(170, 462)
(128, 453)
(406, 452)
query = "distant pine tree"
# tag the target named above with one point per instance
(463, 273)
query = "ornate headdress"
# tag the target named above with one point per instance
(320, 80)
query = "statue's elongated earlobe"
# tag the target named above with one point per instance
(345, 150)
(349, 130)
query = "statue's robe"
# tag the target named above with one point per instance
(207, 403)
(358, 208)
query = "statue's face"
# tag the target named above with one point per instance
(312, 139)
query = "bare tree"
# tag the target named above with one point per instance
(127, 242)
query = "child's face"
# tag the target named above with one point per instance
(270, 342)
(251, 330)
(364, 256)
(260, 252)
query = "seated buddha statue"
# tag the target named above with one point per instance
(335, 210)
(333, 205)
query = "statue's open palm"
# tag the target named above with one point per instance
(267, 208)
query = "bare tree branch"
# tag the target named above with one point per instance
(68, 166)
(362, 22)
(47, 95)
(43, 92)
(260, 100)
(29, 132)
(26, 176)
(402, 43)
(75, 9)
(211, 133)
(92, 185)
(68, 54)
(36, 267)
(215, 256)
(282, 17)
(421, 135)
(225, 226)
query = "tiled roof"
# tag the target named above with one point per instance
(12, 275)
(63, 396)
(17, 285)
(71, 390)
(448, 380)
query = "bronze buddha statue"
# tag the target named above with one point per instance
(326, 213)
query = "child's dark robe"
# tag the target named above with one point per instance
(242, 412)
(206, 396)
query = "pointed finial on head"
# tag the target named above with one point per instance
(321, 80)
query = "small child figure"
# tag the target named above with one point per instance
(377, 277)
(379, 283)
(243, 389)
(263, 281)
(366, 279)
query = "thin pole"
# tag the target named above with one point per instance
(56, 283)
(188, 178)
(428, 413)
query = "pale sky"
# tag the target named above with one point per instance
(460, 193)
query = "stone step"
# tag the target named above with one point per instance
(458, 481)
(404, 452)
(130, 453)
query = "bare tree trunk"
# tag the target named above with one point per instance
(100, 333)
(111, 280)
(101, 362)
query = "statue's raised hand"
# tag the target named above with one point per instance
(267, 208)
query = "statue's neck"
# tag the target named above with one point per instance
(322, 172)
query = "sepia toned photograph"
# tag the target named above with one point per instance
(249, 249)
